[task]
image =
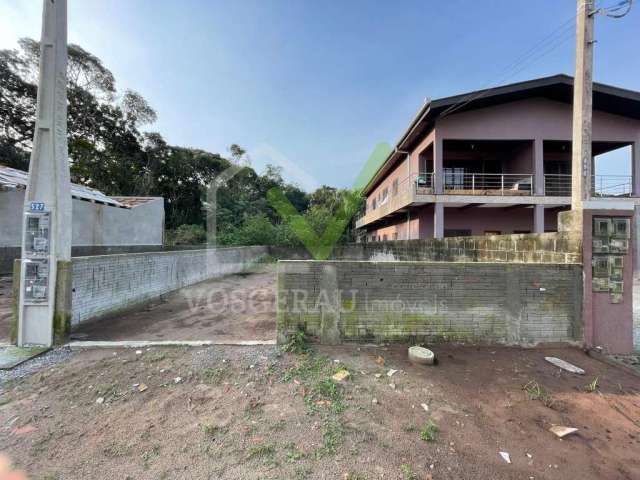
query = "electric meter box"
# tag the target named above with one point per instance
(36, 280)
(37, 234)
(35, 263)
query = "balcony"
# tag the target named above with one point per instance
(419, 189)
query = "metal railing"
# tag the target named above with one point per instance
(507, 184)
(557, 185)
(488, 183)
(611, 186)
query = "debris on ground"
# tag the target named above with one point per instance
(421, 355)
(391, 372)
(562, 431)
(142, 387)
(341, 375)
(569, 367)
(380, 360)
(505, 456)
(425, 407)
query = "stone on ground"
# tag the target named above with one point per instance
(421, 355)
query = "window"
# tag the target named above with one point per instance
(394, 187)
(384, 238)
(492, 232)
(520, 232)
(395, 235)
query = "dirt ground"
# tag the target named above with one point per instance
(230, 309)
(5, 308)
(256, 413)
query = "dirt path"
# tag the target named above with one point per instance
(236, 307)
(254, 413)
(5, 308)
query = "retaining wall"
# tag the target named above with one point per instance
(104, 285)
(518, 248)
(426, 301)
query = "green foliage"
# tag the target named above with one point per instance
(109, 151)
(296, 343)
(535, 391)
(591, 386)
(407, 472)
(429, 431)
(187, 235)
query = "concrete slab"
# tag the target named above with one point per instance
(13, 356)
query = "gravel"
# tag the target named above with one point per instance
(41, 362)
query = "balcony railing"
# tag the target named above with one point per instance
(612, 186)
(488, 183)
(601, 185)
(557, 185)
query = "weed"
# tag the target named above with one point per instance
(156, 357)
(354, 476)
(429, 431)
(332, 437)
(293, 453)
(535, 391)
(410, 428)
(296, 343)
(311, 367)
(214, 376)
(302, 473)
(407, 472)
(262, 451)
(591, 386)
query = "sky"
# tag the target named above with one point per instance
(314, 86)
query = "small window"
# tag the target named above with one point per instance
(395, 235)
(384, 238)
(394, 187)
(457, 233)
(492, 232)
(521, 232)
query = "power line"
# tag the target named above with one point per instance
(546, 45)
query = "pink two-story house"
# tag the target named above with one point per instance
(498, 161)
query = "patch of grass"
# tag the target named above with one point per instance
(296, 343)
(429, 431)
(294, 454)
(333, 435)
(535, 391)
(354, 476)
(407, 472)
(148, 455)
(591, 386)
(262, 451)
(302, 473)
(156, 357)
(279, 426)
(215, 376)
(311, 367)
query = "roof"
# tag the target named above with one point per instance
(132, 202)
(18, 179)
(606, 98)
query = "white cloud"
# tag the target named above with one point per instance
(19, 18)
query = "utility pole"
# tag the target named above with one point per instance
(45, 274)
(582, 162)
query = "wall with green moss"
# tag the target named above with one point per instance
(471, 302)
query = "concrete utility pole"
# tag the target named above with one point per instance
(581, 162)
(46, 245)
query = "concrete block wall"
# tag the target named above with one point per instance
(104, 285)
(475, 302)
(517, 248)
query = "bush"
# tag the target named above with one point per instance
(187, 235)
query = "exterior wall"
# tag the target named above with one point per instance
(11, 208)
(105, 285)
(400, 172)
(93, 223)
(530, 119)
(477, 220)
(417, 301)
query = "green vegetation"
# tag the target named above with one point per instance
(407, 472)
(535, 391)
(429, 431)
(214, 376)
(296, 343)
(591, 386)
(111, 150)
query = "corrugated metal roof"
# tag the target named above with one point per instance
(134, 201)
(12, 178)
